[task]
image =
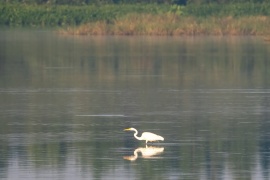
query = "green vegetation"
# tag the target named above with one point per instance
(62, 15)
(169, 25)
(84, 2)
(233, 9)
(143, 19)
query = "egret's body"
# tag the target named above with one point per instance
(146, 136)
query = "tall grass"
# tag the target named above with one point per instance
(143, 19)
(232, 9)
(146, 24)
(62, 15)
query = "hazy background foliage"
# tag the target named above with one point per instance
(180, 2)
(64, 15)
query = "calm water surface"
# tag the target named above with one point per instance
(64, 102)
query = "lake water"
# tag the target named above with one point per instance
(64, 102)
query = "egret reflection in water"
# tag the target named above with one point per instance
(147, 152)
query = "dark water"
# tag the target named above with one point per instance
(64, 102)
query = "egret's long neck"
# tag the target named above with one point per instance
(133, 158)
(136, 152)
(135, 135)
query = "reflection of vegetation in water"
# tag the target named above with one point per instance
(227, 65)
(99, 63)
(4, 160)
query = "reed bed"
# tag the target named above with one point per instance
(143, 19)
(169, 24)
(67, 15)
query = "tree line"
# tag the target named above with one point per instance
(83, 2)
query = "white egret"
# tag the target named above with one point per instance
(146, 136)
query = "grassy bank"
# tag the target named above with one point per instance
(145, 24)
(66, 15)
(143, 19)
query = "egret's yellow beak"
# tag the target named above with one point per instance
(127, 129)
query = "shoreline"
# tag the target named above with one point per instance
(142, 19)
(169, 25)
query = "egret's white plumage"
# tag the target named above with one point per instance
(146, 136)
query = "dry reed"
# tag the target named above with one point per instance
(169, 24)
